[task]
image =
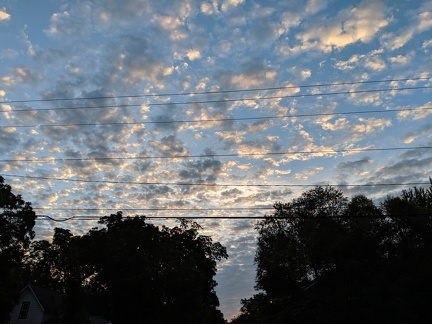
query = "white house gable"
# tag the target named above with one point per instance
(28, 309)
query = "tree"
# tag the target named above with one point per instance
(325, 258)
(58, 266)
(133, 271)
(16, 230)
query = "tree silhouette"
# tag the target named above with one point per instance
(325, 258)
(16, 230)
(131, 271)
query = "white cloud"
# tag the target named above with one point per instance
(350, 64)
(423, 131)
(306, 73)
(168, 22)
(193, 55)
(209, 8)
(402, 59)
(394, 41)
(6, 81)
(338, 124)
(228, 4)
(370, 125)
(306, 174)
(313, 6)
(422, 112)
(376, 64)
(425, 21)
(349, 26)
(4, 15)
(72, 22)
(427, 44)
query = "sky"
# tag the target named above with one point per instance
(160, 108)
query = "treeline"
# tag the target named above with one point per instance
(127, 271)
(324, 258)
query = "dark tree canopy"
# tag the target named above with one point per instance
(16, 230)
(131, 271)
(328, 259)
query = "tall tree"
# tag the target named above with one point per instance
(17, 220)
(131, 271)
(325, 258)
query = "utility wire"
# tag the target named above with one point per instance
(210, 184)
(222, 100)
(159, 209)
(41, 160)
(95, 217)
(220, 119)
(216, 92)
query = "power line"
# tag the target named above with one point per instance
(219, 119)
(216, 92)
(159, 209)
(95, 217)
(223, 100)
(41, 160)
(211, 184)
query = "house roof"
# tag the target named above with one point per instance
(48, 299)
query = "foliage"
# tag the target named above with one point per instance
(131, 271)
(16, 230)
(325, 258)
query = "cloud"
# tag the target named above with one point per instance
(4, 16)
(371, 60)
(306, 174)
(8, 53)
(375, 64)
(193, 55)
(135, 58)
(427, 43)
(252, 74)
(370, 125)
(350, 64)
(209, 8)
(423, 22)
(314, 6)
(168, 146)
(394, 41)
(402, 59)
(26, 75)
(199, 171)
(229, 4)
(73, 22)
(421, 112)
(423, 131)
(360, 24)
(349, 166)
(404, 166)
(111, 13)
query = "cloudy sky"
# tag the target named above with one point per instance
(157, 107)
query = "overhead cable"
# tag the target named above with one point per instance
(212, 184)
(221, 100)
(44, 159)
(378, 216)
(218, 91)
(212, 120)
